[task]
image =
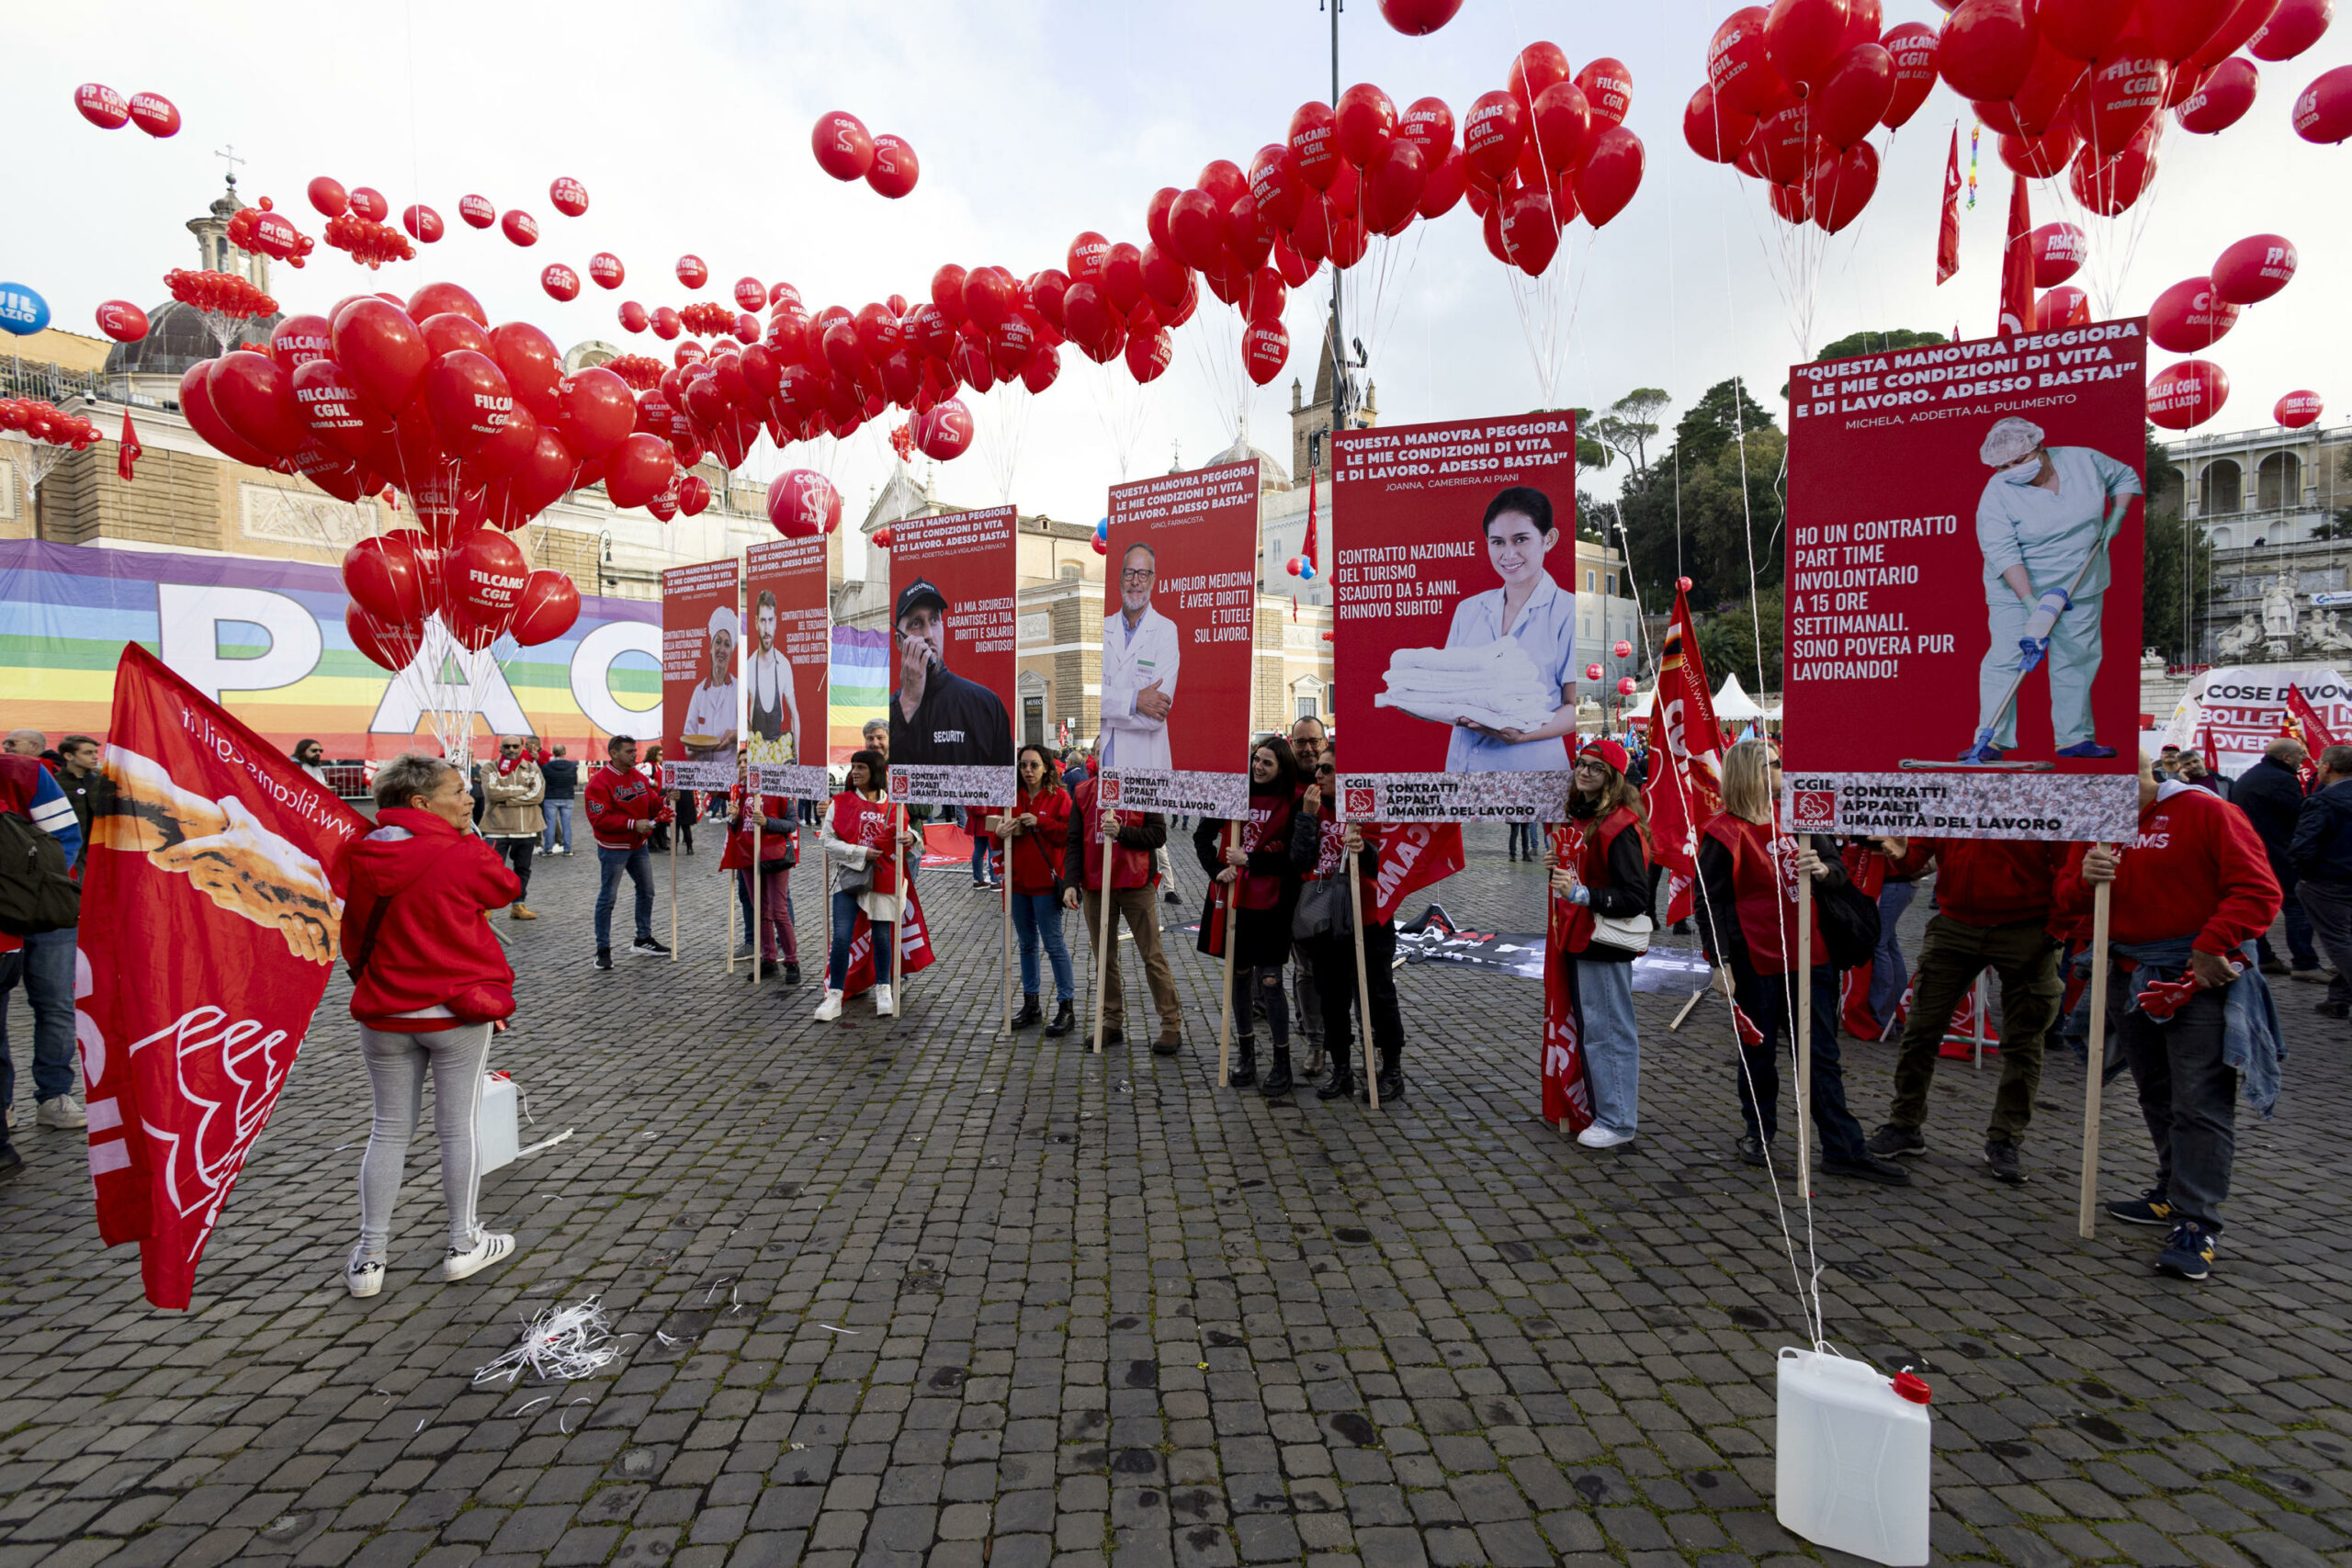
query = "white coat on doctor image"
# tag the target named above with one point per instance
(1140, 659)
(2045, 523)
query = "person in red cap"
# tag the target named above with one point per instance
(1600, 865)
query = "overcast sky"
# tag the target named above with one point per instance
(690, 127)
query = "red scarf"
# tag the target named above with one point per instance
(1567, 1099)
(506, 765)
(868, 824)
(1269, 827)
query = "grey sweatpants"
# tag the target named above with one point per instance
(396, 1069)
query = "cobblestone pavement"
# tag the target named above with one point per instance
(909, 1293)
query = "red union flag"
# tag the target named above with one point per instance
(1685, 785)
(1567, 1097)
(1412, 855)
(208, 926)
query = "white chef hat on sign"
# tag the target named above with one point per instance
(723, 619)
(2009, 439)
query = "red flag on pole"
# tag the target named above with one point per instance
(2017, 265)
(129, 451)
(1412, 855)
(1568, 1097)
(1948, 237)
(1685, 785)
(2316, 734)
(1307, 550)
(211, 913)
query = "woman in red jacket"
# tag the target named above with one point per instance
(1037, 834)
(429, 985)
(779, 852)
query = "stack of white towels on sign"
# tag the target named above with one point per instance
(1497, 685)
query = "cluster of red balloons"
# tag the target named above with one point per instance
(369, 242)
(1549, 147)
(109, 110)
(1793, 94)
(219, 293)
(2195, 313)
(847, 151)
(46, 423)
(709, 318)
(266, 231)
(637, 369)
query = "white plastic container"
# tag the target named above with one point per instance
(1851, 1458)
(497, 1128)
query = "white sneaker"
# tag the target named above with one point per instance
(489, 1248)
(1599, 1137)
(365, 1276)
(884, 1006)
(829, 1008)
(64, 1111)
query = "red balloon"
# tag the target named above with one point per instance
(895, 168)
(469, 398)
(693, 271)
(561, 282)
(2081, 29)
(1442, 188)
(1987, 48)
(434, 298)
(424, 224)
(1276, 188)
(1791, 203)
(519, 226)
(122, 321)
(2065, 306)
(196, 407)
(1392, 187)
(693, 494)
(2222, 100)
(1784, 147)
(1525, 231)
(1912, 47)
(598, 410)
(547, 607)
(1802, 38)
(2059, 251)
(2190, 316)
(844, 147)
(1612, 172)
(2183, 396)
(255, 397)
(528, 358)
(1737, 69)
(988, 296)
(449, 332)
(1415, 19)
(2322, 111)
(1265, 348)
(945, 432)
(1121, 279)
(1535, 68)
(1087, 254)
(369, 203)
(334, 410)
(102, 106)
(2111, 186)
(539, 480)
(947, 293)
(2043, 158)
(1196, 229)
(1562, 123)
(1855, 96)
(1843, 186)
(329, 197)
(2296, 410)
(383, 578)
(1223, 179)
(155, 114)
(1045, 364)
(2255, 269)
(477, 211)
(568, 195)
(393, 647)
(483, 579)
(1155, 216)
(2124, 92)
(638, 468)
(1713, 132)
(500, 456)
(666, 323)
(634, 317)
(605, 270)
(2292, 28)
(803, 504)
(2177, 28)
(1608, 89)
(1314, 145)
(380, 346)
(1365, 122)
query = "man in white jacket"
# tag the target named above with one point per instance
(1139, 658)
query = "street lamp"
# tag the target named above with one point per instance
(603, 557)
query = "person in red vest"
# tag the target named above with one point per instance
(2193, 888)
(1320, 846)
(1606, 876)
(624, 807)
(779, 852)
(1258, 866)
(1037, 830)
(1747, 884)
(1133, 837)
(1993, 900)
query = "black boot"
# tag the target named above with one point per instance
(1065, 1019)
(1392, 1074)
(791, 974)
(1342, 1081)
(1278, 1083)
(1245, 1062)
(1028, 1017)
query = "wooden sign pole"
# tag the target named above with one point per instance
(1804, 977)
(1363, 980)
(1103, 933)
(899, 926)
(1224, 1007)
(2095, 1076)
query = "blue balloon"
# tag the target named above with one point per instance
(1306, 572)
(22, 311)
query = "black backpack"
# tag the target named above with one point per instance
(37, 891)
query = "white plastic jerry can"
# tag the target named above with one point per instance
(497, 1129)
(1851, 1457)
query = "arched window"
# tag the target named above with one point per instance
(2220, 488)
(2279, 481)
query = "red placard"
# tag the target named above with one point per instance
(1181, 598)
(1919, 567)
(1454, 587)
(702, 691)
(788, 650)
(953, 660)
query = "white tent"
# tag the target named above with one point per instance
(1734, 705)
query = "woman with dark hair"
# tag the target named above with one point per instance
(1258, 867)
(779, 851)
(1036, 831)
(1513, 707)
(1601, 872)
(859, 836)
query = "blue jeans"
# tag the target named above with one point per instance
(46, 965)
(1769, 1002)
(1038, 917)
(2299, 929)
(983, 856)
(1612, 1044)
(1522, 839)
(845, 913)
(1889, 974)
(557, 815)
(610, 864)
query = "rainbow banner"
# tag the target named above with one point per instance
(265, 640)
(861, 688)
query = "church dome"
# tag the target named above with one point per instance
(178, 338)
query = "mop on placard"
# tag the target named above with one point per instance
(2032, 649)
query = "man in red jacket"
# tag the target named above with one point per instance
(1138, 834)
(1992, 911)
(2192, 890)
(624, 807)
